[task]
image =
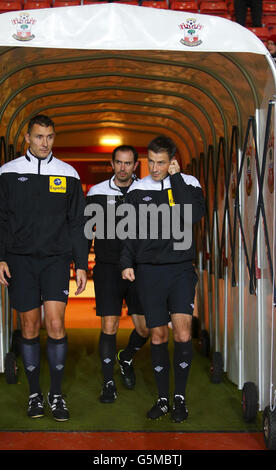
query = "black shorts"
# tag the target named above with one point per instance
(111, 290)
(165, 289)
(35, 280)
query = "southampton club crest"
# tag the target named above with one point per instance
(191, 32)
(23, 25)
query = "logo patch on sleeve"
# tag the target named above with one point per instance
(57, 184)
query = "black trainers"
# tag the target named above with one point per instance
(179, 412)
(108, 394)
(35, 406)
(58, 407)
(127, 372)
(161, 408)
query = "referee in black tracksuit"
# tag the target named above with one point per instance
(41, 232)
(165, 275)
(110, 288)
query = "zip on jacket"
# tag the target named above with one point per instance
(108, 196)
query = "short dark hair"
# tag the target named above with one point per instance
(162, 143)
(42, 120)
(125, 148)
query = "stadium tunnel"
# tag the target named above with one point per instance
(131, 73)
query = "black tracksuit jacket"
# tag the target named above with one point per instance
(177, 189)
(108, 196)
(42, 209)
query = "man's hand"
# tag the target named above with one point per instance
(81, 280)
(128, 274)
(174, 167)
(4, 271)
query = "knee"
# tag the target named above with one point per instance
(30, 329)
(182, 336)
(143, 331)
(159, 335)
(110, 325)
(55, 328)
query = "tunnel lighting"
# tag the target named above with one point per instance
(110, 140)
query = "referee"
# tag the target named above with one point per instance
(110, 288)
(41, 233)
(165, 276)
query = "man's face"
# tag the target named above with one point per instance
(123, 166)
(40, 140)
(158, 165)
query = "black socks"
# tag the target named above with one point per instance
(107, 349)
(161, 367)
(134, 344)
(182, 360)
(30, 353)
(56, 354)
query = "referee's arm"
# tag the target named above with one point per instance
(184, 193)
(4, 269)
(76, 220)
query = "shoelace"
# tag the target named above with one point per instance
(163, 403)
(58, 402)
(180, 396)
(179, 400)
(35, 399)
(110, 383)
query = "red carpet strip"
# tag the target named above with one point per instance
(130, 441)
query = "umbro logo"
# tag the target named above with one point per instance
(158, 368)
(184, 365)
(147, 198)
(111, 201)
(23, 179)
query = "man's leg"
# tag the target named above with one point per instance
(30, 353)
(161, 368)
(56, 348)
(137, 339)
(240, 7)
(256, 7)
(183, 352)
(107, 349)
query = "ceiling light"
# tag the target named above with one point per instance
(110, 140)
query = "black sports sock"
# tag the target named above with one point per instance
(56, 354)
(107, 349)
(183, 353)
(30, 353)
(135, 343)
(161, 367)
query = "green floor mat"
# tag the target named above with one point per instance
(212, 407)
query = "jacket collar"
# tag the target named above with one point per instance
(113, 185)
(32, 158)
